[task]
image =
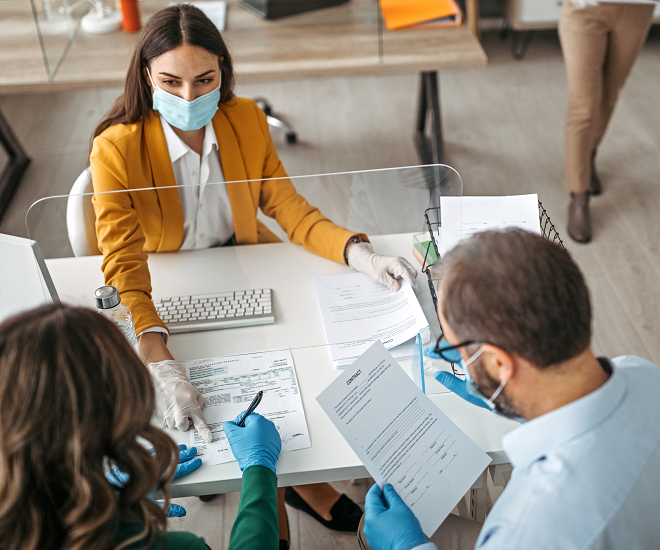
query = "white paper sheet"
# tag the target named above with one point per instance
(461, 217)
(402, 437)
(215, 10)
(228, 385)
(356, 311)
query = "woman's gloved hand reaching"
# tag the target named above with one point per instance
(384, 269)
(178, 403)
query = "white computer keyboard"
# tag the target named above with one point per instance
(195, 313)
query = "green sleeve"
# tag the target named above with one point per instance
(256, 525)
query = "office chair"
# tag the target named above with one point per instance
(276, 121)
(80, 217)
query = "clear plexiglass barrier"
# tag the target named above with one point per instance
(399, 209)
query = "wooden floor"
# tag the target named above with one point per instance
(504, 134)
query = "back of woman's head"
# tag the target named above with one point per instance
(166, 30)
(74, 398)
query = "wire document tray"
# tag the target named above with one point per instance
(432, 219)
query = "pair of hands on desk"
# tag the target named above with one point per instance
(179, 404)
(257, 443)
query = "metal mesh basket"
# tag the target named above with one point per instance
(432, 218)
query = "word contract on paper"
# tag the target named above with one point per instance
(228, 385)
(402, 438)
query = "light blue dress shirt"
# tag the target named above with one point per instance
(587, 475)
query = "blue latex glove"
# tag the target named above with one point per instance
(388, 522)
(454, 354)
(257, 443)
(457, 385)
(185, 466)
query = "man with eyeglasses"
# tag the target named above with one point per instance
(516, 316)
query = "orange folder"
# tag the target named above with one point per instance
(400, 14)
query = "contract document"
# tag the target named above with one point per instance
(402, 438)
(461, 217)
(356, 311)
(228, 385)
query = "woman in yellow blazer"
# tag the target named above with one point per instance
(179, 93)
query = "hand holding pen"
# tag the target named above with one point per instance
(250, 409)
(257, 443)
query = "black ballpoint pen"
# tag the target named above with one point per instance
(250, 409)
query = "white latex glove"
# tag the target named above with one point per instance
(178, 403)
(384, 269)
(579, 4)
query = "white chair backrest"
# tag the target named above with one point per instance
(80, 217)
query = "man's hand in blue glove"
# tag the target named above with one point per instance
(388, 523)
(457, 385)
(185, 466)
(257, 443)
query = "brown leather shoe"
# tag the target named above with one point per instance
(595, 188)
(579, 221)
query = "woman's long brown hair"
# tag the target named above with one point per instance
(166, 30)
(74, 399)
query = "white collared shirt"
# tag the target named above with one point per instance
(207, 217)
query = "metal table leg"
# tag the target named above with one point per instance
(16, 166)
(430, 149)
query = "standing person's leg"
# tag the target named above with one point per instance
(455, 533)
(630, 27)
(583, 34)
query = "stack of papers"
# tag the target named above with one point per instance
(461, 217)
(228, 385)
(402, 438)
(356, 311)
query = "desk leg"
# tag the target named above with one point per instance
(478, 494)
(430, 150)
(16, 166)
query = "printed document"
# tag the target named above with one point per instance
(229, 384)
(402, 438)
(461, 217)
(356, 311)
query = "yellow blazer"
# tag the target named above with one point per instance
(129, 225)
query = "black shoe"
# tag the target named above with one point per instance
(345, 513)
(595, 187)
(207, 498)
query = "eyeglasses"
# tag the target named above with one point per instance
(450, 353)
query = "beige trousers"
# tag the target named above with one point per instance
(600, 45)
(455, 533)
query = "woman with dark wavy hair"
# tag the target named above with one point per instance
(74, 399)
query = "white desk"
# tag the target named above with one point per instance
(287, 269)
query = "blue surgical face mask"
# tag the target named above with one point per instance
(182, 114)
